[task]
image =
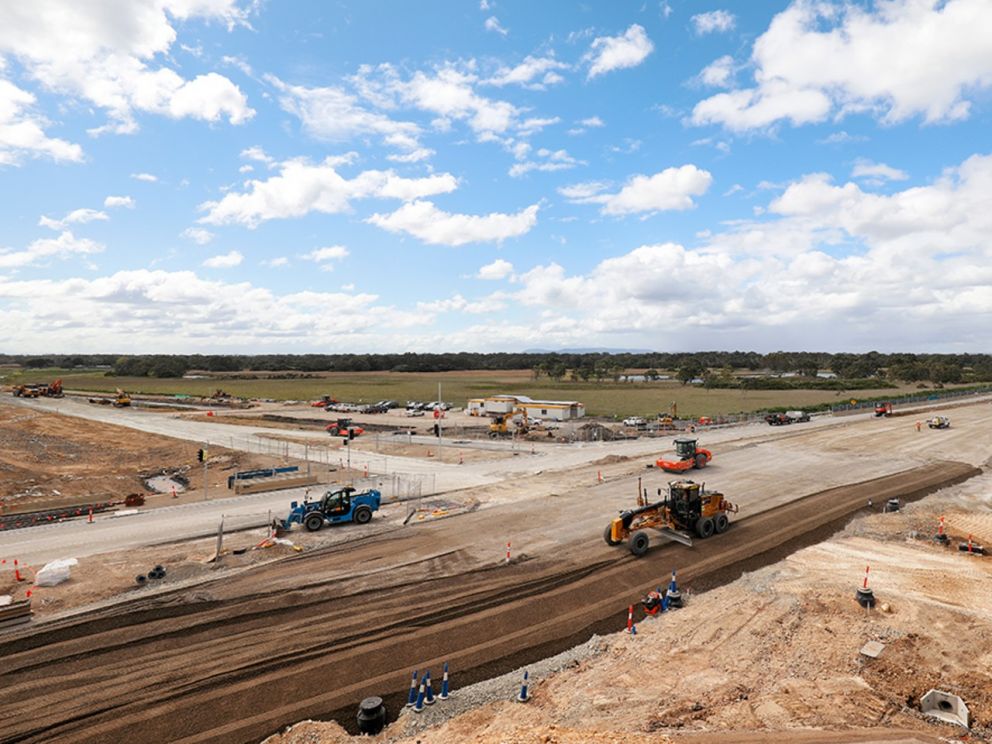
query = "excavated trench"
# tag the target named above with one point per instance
(235, 662)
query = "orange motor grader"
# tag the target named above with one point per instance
(687, 507)
(690, 456)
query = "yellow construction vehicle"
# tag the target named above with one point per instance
(667, 420)
(500, 425)
(687, 507)
(122, 399)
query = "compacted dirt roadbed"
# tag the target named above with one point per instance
(310, 636)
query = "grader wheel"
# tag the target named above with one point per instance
(608, 536)
(639, 543)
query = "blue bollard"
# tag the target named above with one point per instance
(413, 691)
(444, 684)
(523, 697)
(429, 700)
(419, 705)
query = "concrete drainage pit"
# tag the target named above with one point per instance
(166, 481)
(945, 707)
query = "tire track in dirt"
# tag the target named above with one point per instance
(233, 669)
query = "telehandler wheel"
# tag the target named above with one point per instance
(704, 527)
(700, 462)
(608, 536)
(363, 515)
(639, 543)
(721, 523)
(313, 522)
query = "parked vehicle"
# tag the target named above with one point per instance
(635, 421)
(789, 417)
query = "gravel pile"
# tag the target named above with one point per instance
(504, 687)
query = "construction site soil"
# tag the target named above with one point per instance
(237, 659)
(48, 461)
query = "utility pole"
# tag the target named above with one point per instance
(440, 415)
(205, 445)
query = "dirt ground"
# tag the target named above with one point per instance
(309, 636)
(774, 656)
(48, 460)
(247, 654)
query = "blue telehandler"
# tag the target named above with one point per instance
(337, 505)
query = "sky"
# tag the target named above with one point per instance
(228, 176)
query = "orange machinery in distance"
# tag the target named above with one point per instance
(690, 456)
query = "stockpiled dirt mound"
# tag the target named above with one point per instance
(312, 635)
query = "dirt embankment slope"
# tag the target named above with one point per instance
(310, 636)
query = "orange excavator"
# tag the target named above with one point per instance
(690, 456)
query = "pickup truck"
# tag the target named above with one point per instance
(635, 421)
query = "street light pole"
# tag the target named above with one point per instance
(205, 445)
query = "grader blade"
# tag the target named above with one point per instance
(679, 537)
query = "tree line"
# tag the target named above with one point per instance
(715, 368)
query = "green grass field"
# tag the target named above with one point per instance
(600, 398)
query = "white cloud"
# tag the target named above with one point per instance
(22, 130)
(76, 216)
(670, 189)
(302, 187)
(822, 255)
(64, 246)
(147, 177)
(460, 304)
(176, 312)
(896, 60)
(106, 54)
(877, 172)
(274, 263)
(717, 21)
(591, 122)
(224, 260)
(493, 24)
(498, 269)
(532, 73)
(448, 92)
(257, 153)
(607, 53)
(325, 257)
(548, 161)
(428, 223)
(582, 192)
(198, 235)
(334, 115)
(719, 73)
(414, 156)
(119, 201)
(841, 138)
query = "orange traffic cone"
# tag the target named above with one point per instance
(89, 519)
(17, 572)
